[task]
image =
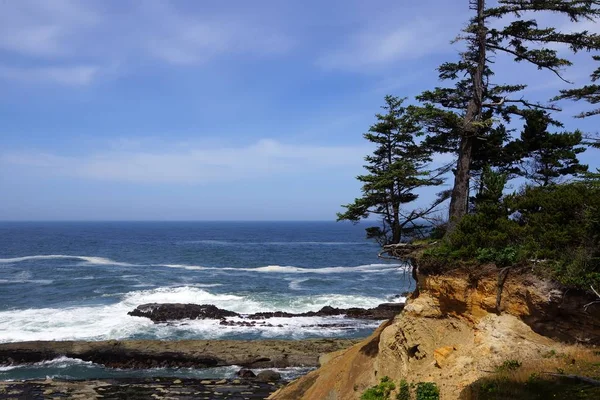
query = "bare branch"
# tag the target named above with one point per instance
(593, 302)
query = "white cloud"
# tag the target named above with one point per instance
(376, 47)
(70, 75)
(39, 28)
(62, 35)
(191, 164)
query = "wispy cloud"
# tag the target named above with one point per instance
(191, 164)
(41, 29)
(62, 35)
(375, 47)
(182, 39)
(70, 75)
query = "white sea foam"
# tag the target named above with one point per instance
(295, 283)
(38, 281)
(204, 285)
(112, 322)
(305, 243)
(369, 268)
(87, 259)
(26, 277)
(91, 260)
(59, 362)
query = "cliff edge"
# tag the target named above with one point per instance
(455, 330)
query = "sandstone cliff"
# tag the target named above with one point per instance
(452, 333)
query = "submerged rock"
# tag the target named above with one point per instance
(268, 376)
(246, 373)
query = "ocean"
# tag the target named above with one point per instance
(78, 280)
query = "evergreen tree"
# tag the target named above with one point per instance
(395, 169)
(488, 200)
(457, 116)
(548, 156)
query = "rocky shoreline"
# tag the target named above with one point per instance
(141, 354)
(140, 388)
(151, 354)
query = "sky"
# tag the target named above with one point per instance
(203, 110)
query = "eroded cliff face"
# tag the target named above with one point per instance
(453, 334)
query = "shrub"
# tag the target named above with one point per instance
(380, 392)
(427, 391)
(403, 391)
(509, 365)
(556, 225)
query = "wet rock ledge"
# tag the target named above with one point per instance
(177, 354)
(139, 388)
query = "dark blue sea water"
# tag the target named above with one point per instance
(78, 280)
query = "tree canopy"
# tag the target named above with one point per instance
(496, 135)
(395, 169)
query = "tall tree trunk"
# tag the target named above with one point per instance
(396, 228)
(460, 191)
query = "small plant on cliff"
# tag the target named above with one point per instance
(403, 391)
(427, 391)
(379, 392)
(509, 366)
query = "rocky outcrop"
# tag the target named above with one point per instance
(177, 354)
(544, 306)
(173, 311)
(453, 334)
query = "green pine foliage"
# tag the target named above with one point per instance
(553, 229)
(458, 118)
(589, 93)
(552, 223)
(546, 157)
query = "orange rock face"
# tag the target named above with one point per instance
(441, 355)
(453, 332)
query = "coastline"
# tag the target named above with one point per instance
(137, 354)
(248, 358)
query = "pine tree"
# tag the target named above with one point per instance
(395, 169)
(546, 157)
(457, 116)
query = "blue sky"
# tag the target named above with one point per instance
(201, 110)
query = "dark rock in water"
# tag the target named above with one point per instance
(173, 311)
(381, 312)
(268, 376)
(245, 373)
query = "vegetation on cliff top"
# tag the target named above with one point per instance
(406, 391)
(556, 375)
(500, 141)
